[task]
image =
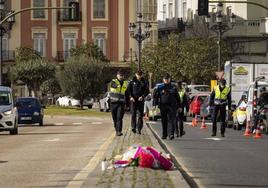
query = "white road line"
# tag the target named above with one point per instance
(81, 177)
(52, 140)
(151, 122)
(79, 123)
(215, 139)
(96, 123)
(58, 123)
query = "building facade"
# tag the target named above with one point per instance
(245, 40)
(53, 33)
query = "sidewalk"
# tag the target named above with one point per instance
(134, 176)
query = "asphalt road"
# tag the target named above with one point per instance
(51, 156)
(233, 161)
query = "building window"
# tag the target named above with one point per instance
(99, 39)
(39, 40)
(39, 14)
(164, 12)
(69, 41)
(170, 10)
(99, 8)
(5, 48)
(65, 15)
(184, 11)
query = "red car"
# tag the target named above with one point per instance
(196, 103)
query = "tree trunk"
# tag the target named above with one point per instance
(81, 103)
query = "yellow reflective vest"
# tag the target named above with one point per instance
(117, 92)
(221, 96)
(181, 94)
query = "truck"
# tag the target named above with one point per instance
(240, 75)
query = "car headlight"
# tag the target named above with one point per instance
(9, 112)
(36, 113)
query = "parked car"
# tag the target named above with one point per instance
(196, 103)
(8, 111)
(69, 101)
(193, 90)
(30, 111)
(104, 103)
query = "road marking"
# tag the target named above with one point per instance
(52, 140)
(81, 177)
(96, 123)
(58, 123)
(215, 139)
(152, 122)
(77, 123)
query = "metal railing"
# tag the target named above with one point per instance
(66, 17)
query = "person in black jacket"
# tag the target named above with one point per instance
(167, 98)
(137, 89)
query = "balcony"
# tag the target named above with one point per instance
(245, 28)
(8, 55)
(64, 18)
(63, 56)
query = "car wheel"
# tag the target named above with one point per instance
(89, 106)
(41, 123)
(14, 131)
(234, 127)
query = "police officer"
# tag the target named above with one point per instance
(137, 89)
(118, 101)
(167, 98)
(220, 98)
(184, 106)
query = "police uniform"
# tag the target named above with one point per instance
(136, 89)
(220, 98)
(167, 98)
(118, 100)
(180, 115)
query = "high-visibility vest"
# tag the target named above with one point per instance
(181, 94)
(221, 96)
(118, 94)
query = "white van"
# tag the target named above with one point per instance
(8, 111)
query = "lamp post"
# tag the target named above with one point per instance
(220, 27)
(4, 28)
(139, 35)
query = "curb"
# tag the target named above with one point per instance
(187, 178)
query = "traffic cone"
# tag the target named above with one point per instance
(203, 125)
(258, 133)
(247, 131)
(145, 116)
(194, 121)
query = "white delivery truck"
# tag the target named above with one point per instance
(240, 75)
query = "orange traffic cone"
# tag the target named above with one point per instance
(203, 125)
(258, 133)
(247, 131)
(194, 121)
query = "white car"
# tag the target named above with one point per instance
(69, 101)
(193, 90)
(8, 111)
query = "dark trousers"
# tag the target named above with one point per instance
(118, 110)
(222, 110)
(168, 117)
(137, 107)
(179, 123)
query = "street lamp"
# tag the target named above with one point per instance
(135, 30)
(4, 28)
(220, 27)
